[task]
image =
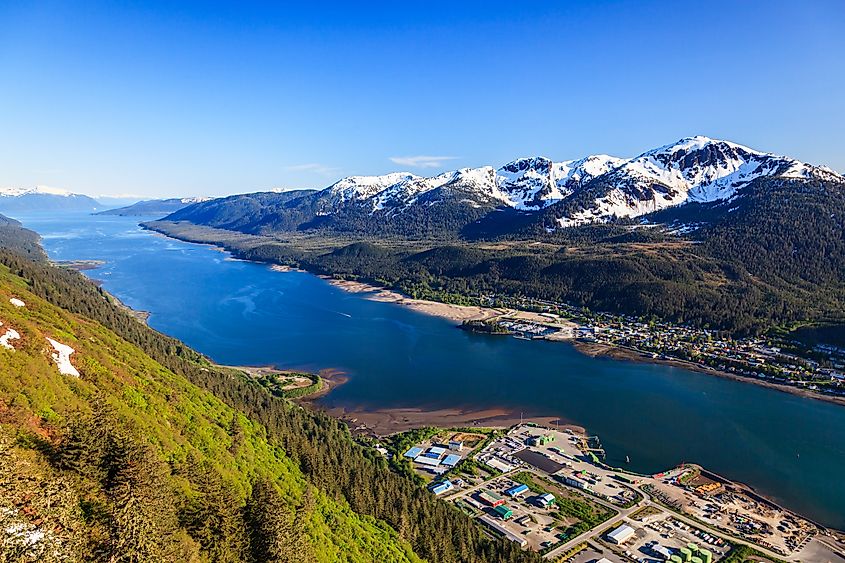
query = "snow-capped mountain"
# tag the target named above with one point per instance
(596, 188)
(18, 192)
(695, 169)
(44, 198)
(534, 183)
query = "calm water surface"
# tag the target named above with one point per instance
(787, 447)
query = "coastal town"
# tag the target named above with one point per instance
(547, 489)
(818, 370)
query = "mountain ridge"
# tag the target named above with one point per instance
(45, 198)
(593, 189)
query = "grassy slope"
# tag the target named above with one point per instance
(178, 418)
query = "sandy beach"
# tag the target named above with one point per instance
(457, 313)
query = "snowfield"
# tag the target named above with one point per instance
(694, 169)
(62, 358)
(9, 334)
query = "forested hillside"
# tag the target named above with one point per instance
(155, 454)
(700, 231)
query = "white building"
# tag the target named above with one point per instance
(621, 534)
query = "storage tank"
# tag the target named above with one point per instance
(675, 559)
(706, 556)
(696, 560)
(686, 554)
(692, 547)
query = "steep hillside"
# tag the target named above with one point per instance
(118, 443)
(126, 422)
(24, 241)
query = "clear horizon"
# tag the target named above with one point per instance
(205, 99)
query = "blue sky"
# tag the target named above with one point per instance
(152, 99)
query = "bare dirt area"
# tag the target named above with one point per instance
(383, 422)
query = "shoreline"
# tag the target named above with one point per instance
(600, 349)
(449, 311)
(459, 313)
(385, 422)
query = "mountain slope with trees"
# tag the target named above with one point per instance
(700, 231)
(155, 454)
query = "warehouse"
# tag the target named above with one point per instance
(546, 500)
(456, 445)
(490, 498)
(451, 460)
(413, 452)
(540, 461)
(577, 483)
(437, 450)
(502, 466)
(516, 491)
(423, 460)
(621, 534)
(503, 511)
(440, 488)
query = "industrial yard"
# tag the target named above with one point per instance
(547, 490)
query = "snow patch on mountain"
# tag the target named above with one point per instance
(191, 200)
(8, 335)
(596, 188)
(47, 190)
(695, 169)
(357, 188)
(61, 356)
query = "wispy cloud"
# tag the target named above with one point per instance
(422, 161)
(315, 167)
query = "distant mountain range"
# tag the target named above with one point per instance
(43, 198)
(155, 207)
(533, 192)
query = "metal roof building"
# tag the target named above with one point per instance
(441, 488)
(503, 511)
(490, 498)
(422, 460)
(502, 466)
(621, 534)
(451, 460)
(413, 452)
(437, 450)
(517, 490)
